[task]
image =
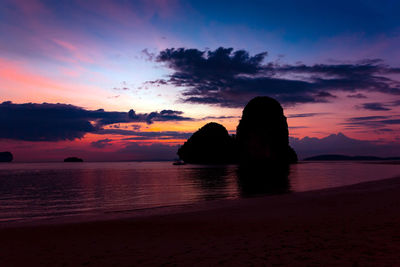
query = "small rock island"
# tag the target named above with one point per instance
(6, 156)
(73, 159)
(211, 144)
(262, 137)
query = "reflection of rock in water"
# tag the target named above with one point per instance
(262, 180)
(262, 133)
(213, 181)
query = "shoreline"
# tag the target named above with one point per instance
(175, 209)
(351, 225)
(178, 209)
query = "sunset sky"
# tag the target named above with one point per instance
(131, 80)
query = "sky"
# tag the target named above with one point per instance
(132, 80)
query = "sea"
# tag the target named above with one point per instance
(36, 191)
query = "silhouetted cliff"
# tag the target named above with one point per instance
(73, 159)
(262, 137)
(6, 156)
(210, 144)
(262, 133)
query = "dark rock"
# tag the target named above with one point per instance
(6, 156)
(73, 159)
(262, 133)
(211, 144)
(262, 136)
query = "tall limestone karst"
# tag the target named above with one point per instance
(262, 133)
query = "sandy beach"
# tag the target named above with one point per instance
(356, 225)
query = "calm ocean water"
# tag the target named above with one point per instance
(31, 191)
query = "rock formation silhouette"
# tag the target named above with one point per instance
(262, 137)
(262, 133)
(211, 144)
(6, 156)
(73, 159)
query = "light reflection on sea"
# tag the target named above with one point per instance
(31, 191)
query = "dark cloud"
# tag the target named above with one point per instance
(231, 78)
(322, 95)
(101, 143)
(375, 106)
(341, 144)
(55, 122)
(163, 115)
(368, 118)
(372, 122)
(298, 127)
(395, 103)
(305, 115)
(136, 135)
(391, 122)
(220, 117)
(359, 96)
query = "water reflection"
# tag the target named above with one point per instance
(56, 189)
(212, 181)
(229, 181)
(263, 180)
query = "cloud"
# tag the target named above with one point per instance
(149, 56)
(101, 143)
(375, 106)
(372, 121)
(136, 135)
(220, 117)
(359, 96)
(368, 118)
(231, 78)
(163, 115)
(395, 103)
(341, 144)
(55, 122)
(305, 115)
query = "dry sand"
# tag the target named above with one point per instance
(350, 226)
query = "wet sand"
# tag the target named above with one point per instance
(356, 225)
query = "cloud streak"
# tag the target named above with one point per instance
(137, 135)
(372, 121)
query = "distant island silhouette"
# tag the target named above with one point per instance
(73, 159)
(262, 137)
(6, 156)
(333, 157)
